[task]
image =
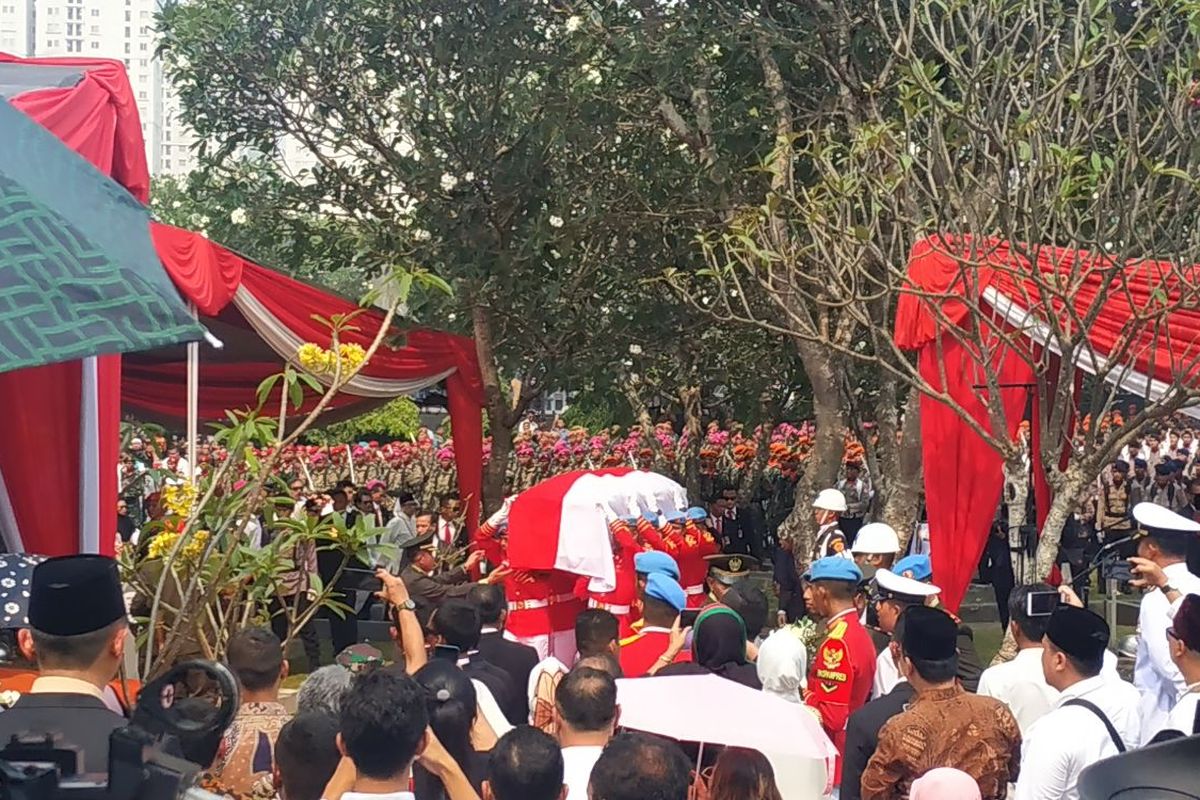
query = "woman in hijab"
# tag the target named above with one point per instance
(719, 648)
(782, 664)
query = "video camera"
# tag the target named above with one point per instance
(176, 727)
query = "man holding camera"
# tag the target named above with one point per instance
(77, 637)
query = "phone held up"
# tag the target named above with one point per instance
(1041, 604)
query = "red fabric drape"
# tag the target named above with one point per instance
(40, 461)
(97, 118)
(42, 406)
(209, 275)
(205, 273)
(963, 475)
(535, 519)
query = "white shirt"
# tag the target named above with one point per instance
(1154, 674)
(485, 701)
(445, 534)
(1021, 685)
(577, 769)
(1183, 716)
(887, 674)
(1069, 738)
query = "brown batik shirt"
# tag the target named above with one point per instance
(946, 728)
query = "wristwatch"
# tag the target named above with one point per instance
(407, 605)
(1167, 588)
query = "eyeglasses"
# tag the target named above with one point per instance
(1171, 634)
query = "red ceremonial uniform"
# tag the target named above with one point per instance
(840, 679)
(640, 651)
(529, 596)
(651, 536)
(620, 601)
(565, 604)
(692, 545)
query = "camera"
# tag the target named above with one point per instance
(176, 727)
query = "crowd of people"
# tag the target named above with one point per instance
(507, 685)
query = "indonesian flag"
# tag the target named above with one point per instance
(562, 523)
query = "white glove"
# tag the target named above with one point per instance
(500, 518)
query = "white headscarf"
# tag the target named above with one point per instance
(782, 664)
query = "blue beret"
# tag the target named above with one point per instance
(919, 568)
(654, 562)
(673, 515)
(630, 520)
(650, 517)
(833, 568)
(696, 512)
(1140, 463)
(660, 587)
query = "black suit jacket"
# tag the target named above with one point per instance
(862, 736)
(512, 701)
(81, 720)
(516, 659)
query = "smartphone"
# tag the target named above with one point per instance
(687, 617)
(1041, 604)
(446, 652)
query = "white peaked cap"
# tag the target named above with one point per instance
(891, 583)
(1152, 515)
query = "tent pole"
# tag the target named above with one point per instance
(193, 400)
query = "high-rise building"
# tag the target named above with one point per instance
(17, 27)
(117, 29)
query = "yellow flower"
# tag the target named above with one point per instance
(162, 544)
(195, 546)
(312, 357)
(353, 355)
(179, 498)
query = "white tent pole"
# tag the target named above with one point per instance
(350, 460)
(193, 400)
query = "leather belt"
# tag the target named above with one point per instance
(529, 605)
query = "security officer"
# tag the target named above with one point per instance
(827, 509)
(1161, 568)
(664, 599)
(646, 564)
(725, 570)
(77, 636)
(428, 587)
(839, 681)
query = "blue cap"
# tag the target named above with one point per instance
(650, 517)
(673, 515)
(696, 512)
(630, 520)
(656, 562)
(660, 587)
(919, 568)
(833, 568)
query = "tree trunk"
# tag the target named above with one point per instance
(901, 472)
(828, 447)
(1064, 502)
(689, 399)
(501, 418)
(1016, 492)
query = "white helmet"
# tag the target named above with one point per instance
(831, 500)
(876, 537)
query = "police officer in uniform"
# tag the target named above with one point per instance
(77, 637)
(664, 600)
(839, 681)
(892, 594)
(828, 508)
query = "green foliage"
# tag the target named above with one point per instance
(398, 419)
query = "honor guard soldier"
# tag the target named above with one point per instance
(827, 509)
(620, 601)
(692, 544)
(664, 599)
(839, 681)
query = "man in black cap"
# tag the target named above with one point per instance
(1166, 491)
(726, 570)
(943, 726)
(1095, 717)
(428, 587)
(76, 636)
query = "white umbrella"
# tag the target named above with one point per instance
(713, 710)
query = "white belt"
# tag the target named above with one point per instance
(697, 589)
(613, 609)
(527, 605)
